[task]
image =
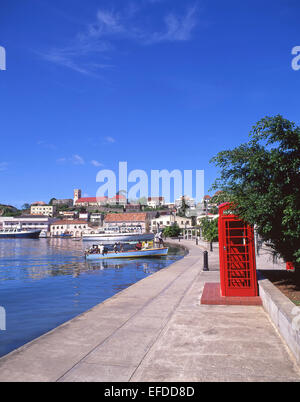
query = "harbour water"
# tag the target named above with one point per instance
(45, 282)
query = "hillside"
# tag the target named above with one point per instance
(8, 210)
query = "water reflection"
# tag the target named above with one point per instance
(46, 282)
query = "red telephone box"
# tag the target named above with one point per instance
(290, 267)
(237, 255)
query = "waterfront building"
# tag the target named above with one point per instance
(39, 222)
(129, 221)
(47, 210)
(73, 227)
(168, 220)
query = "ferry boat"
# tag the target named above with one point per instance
(19, 234)
(113, 235)
(150, 252)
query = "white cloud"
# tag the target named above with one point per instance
(98, 38)
(109, 140)
(61, 160)
(96, 163)
(77, 160)
(46, 145)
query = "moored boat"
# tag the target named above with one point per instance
(19, 234)
(111, 238)
(151, 252)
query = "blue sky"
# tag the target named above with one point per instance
(161, 84)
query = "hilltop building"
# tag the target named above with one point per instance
(77, 196)
(188, 200)
(39, 209)
(66, 201)
(98, 201)
(155, 202)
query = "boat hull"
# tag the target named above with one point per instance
(155, 252)
(34, 234)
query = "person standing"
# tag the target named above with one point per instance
(160, 239)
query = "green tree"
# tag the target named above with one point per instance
(172, 231)
(183, 208)
(209, 229)
(262, 180)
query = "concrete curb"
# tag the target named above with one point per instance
(283, 313)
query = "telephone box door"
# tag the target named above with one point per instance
(237, 256)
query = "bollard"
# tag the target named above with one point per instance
(205, 261)
(196, 241)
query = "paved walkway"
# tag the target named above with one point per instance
(156, 330)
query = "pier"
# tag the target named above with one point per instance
(157, 330)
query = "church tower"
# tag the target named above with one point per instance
(77, 195)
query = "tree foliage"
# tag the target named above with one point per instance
(262, 179)
(209, 228)
(183, 208)
(172, 231)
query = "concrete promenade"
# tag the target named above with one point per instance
(156, 330)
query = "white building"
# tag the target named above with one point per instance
(38, 222)
(167, 220)
(77, 195)
(188, 200)
(96, 218)
(68, 214)
(46, 210)
(155, 202)
(72, 227)
(209, 216)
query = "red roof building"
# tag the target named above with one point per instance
(98, 201)
(139, 219)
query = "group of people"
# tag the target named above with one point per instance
(119, 247)
(97, 249)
